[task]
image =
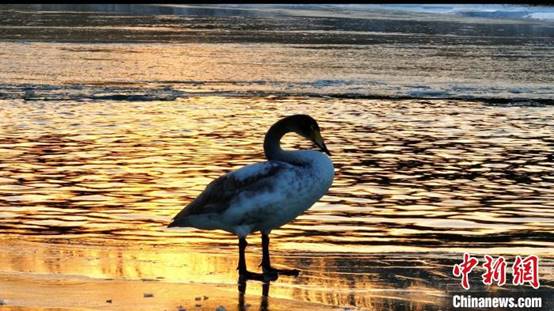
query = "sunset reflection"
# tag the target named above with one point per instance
(103, 199)
(112, 121)
(413, 280)
(394, 190)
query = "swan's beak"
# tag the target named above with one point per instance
(318, 140)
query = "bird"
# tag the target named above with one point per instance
(266, 195)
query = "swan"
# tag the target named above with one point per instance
(266, 195)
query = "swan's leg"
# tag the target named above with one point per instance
(242, 259)
(244, 274)
(266, 264)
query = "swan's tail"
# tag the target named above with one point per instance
(179, 222)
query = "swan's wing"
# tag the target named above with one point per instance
(219, 194)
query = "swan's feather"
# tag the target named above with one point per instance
(219, 194)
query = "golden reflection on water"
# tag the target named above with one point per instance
(410, 175)
(176, 276)
(439, 67)
(328, 279)
(93, 186)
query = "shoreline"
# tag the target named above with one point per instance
(133, 93)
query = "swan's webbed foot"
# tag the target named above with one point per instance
(246, 275)
(274, 271)
(266, 262)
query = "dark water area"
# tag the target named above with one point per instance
(274, 18)
(256, 50)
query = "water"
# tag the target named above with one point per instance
(440, 146)
(409, 174)
(322, 51)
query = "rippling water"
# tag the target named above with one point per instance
(409, 174)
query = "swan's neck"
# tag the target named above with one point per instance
(272, 143)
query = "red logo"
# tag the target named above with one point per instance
(495, 270)
(526, 270)
(523, 270)
(464, 269)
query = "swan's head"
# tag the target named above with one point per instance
(307, 127)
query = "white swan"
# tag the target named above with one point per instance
(266, 195)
